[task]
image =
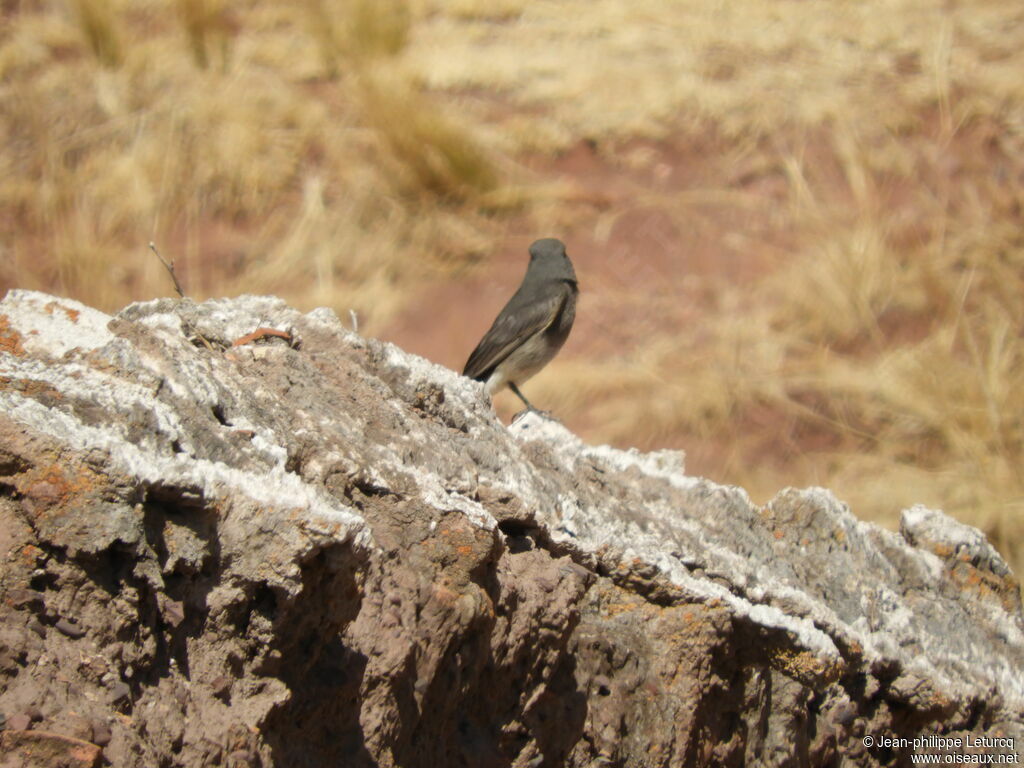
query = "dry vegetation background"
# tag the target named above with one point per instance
(797, 225)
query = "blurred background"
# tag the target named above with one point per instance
(797, 225)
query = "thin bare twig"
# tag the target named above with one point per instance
(262, 333)
(205, 341)
(169, 266)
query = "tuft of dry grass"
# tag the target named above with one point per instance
(433, 154)
(99, 25)
(208, 26)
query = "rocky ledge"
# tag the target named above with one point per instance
(233, 534)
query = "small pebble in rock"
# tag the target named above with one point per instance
(69, 628)
(221, 686)
(119, 692)
(100, 733)
(20, 597)
(37, 626)
(19, 722)
(173, 612)
(845, 713)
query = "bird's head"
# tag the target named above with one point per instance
(548, 248)
(549, 261)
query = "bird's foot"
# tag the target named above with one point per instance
(543, 414)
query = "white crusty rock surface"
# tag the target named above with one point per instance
(310, 548)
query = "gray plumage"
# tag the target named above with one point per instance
(534, 324)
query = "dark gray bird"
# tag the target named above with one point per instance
(532, 327)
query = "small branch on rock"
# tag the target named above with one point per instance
(169, 266)
(205, 341)
(262, 333)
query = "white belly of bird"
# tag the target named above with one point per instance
(523, 363)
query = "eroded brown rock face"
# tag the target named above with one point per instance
(312, 549)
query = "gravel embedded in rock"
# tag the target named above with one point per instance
(24, 598)
(69, 628)
(100, 732)
(120, 692)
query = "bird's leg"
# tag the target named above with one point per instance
(529, 405)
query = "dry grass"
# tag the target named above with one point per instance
(99, 26)
(208, 27)
(263, 158)
(337, 152)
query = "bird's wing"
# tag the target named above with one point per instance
(518, 321)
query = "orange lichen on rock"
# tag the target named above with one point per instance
(10, 339)
(72, 314)
(47, 491)
(50, 749)
(805, 666)
(30, 387)
(1003, 589)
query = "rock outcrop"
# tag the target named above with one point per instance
(233, 534)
